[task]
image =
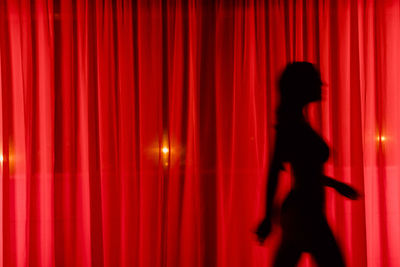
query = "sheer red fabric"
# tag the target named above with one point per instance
(138, 133)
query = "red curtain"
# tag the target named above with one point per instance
(139, 133)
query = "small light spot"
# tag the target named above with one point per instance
(381, 138)
(165, 150)
(1, 158)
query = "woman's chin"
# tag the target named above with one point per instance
(317, 98)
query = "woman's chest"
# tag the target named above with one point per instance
(307, 146)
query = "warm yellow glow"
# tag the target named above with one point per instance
(165, 150)
(381, 138)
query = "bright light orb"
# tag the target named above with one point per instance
(1, 158)
(165, 150)
(381, 138)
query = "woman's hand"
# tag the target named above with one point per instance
(347, 191)
(263, 230)
(341, 188)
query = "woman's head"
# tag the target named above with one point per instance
(300, 84)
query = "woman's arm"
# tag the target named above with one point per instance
(275, 167)
(341, 188)
(264, 228)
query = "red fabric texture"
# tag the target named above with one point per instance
(139, 133)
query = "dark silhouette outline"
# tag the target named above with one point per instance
(304, 224)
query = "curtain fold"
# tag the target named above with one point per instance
(139, 133)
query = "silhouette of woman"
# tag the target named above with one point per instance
(304, 224)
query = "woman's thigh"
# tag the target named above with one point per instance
(288, 255)
(324, 247)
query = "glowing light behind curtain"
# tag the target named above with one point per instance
(138, 134)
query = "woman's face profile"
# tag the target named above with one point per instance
(316, 90)
(301, 83)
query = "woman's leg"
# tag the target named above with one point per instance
(287, 256)
(325, 249)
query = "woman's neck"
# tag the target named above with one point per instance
(292, 113)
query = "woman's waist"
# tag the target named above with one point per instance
(309, 173)
(305, 199)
